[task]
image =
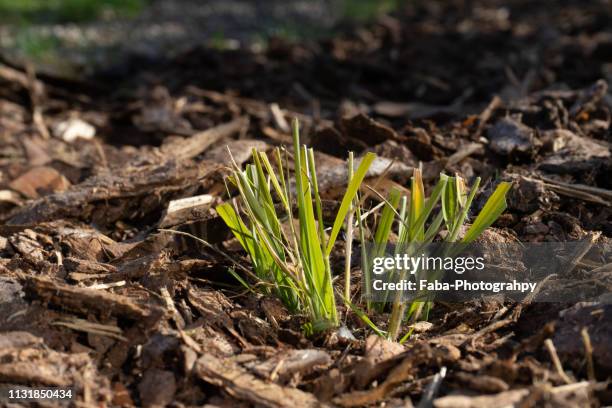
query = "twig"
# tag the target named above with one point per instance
(36, 91)
(555, 360)
(189, 341)
(580, 191)
(531, 296)
(59, 257)
(93, 328)
(432, 389)
(100, 151)
(274, 373)
(490, 328)
(462, 153)
(13, 75)
(579, 252)
(279, 119)
(601, 269)
(484, 117)
(588, 352)
(570, 388)
(192, 146)
(512, 397)
(107, 285)
(171, 307)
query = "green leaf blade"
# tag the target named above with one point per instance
(345, 205)
(493, 208)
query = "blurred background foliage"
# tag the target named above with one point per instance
(26, 12)
(77, 36)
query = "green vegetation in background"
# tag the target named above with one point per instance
(35, 44)
(25, 19)
(367, 10)
(26, 12)
(351, 11)
(28, 36)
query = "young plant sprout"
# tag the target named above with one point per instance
(293, 261)
(290, 257)
(418, 227)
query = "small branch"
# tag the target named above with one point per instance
(580, 191)
(555, 360)
(485, 115)
(588, 352)
(101, 286)
(190, 147)
(432, 390)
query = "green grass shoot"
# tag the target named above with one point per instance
(417, 226)
(291, 258)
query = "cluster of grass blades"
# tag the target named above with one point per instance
(292, 262)
(418, 226)
(290, 257)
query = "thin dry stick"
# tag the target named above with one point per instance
(579, 252)
(36, 91)
(274, 373)
(556, 362)
(588, 352)
(485, 115)
(432, 389)
(109, 285)
(93, 328)
(100, 151)
(349, 237)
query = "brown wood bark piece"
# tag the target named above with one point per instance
(186, 209)
(114, 196)
(286, 364)
(85, 300)
(503, 399)
(40, 181)
(242, 385)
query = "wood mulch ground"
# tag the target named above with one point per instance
(94, 296)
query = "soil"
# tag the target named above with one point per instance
(96, 296)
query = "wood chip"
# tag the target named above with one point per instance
(400, 373)
(118, 194)
(9, 196)
(378, 348)
(240, 384)
(186, 209)
(503, 399)
(40, 181)
(288, 363)
(87, 300)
